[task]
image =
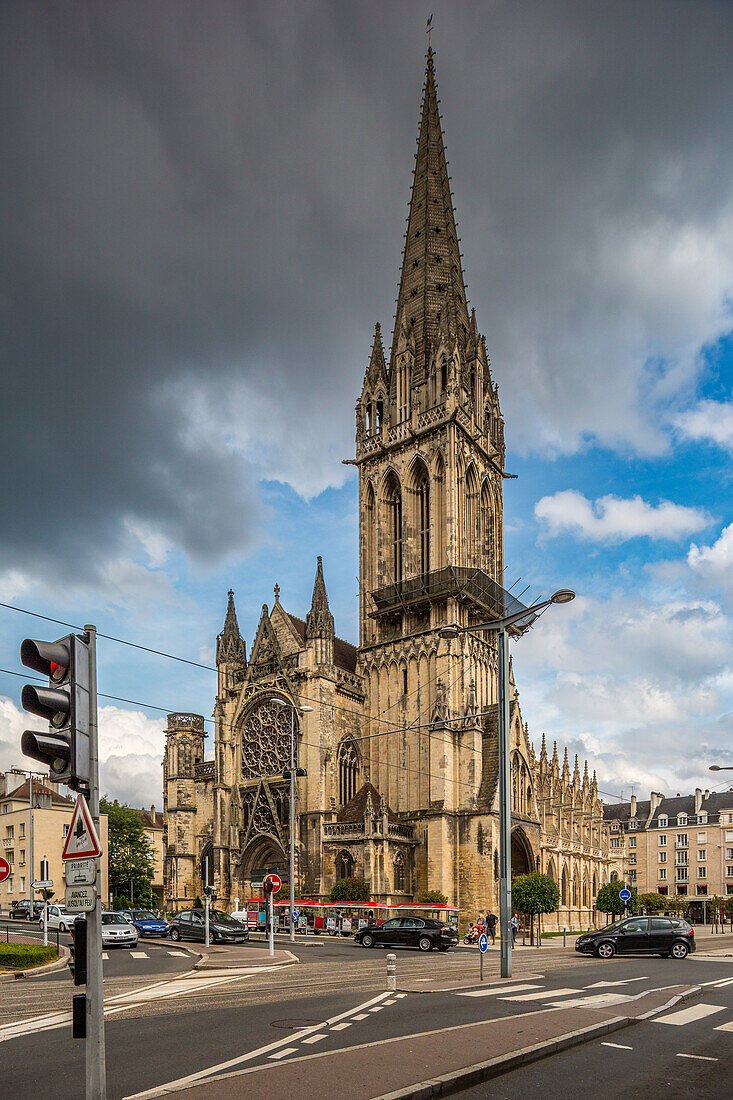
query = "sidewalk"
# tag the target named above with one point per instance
(234, 956)
(429, 1063)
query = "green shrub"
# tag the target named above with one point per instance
(18, 956)
(349, 889)
(431, 897)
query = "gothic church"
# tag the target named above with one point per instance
(400, 746)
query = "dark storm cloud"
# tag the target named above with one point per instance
(202, 218)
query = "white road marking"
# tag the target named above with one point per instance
(377, 1008)
(259, 1052)
(601, 1000)
(139, 955)
(546, 994)
(616, 1046)
(697, 1057)
(105, 955)
(689, 1015)
(400, 995)
(361, 1016)
(496, 991)
(389, 1002)
(597, 985)
(341, 1027)
(177, 954)
(725, 1027)
(720, 984)
(315, 1038)
(284, 1053)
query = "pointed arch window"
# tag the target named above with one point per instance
(443, 374)
(423, 520)
(348, 764)
(564, 886)
(399, 873)
(393, 502)
(369, 542)
(470, 517)
(344, 865)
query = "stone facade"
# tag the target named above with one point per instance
(400, 747)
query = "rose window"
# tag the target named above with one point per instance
(266, 740)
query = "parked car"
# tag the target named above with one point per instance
(408, 932)
(147, 923)
(117, 931)
(26, 910)
(59, 918)
(189, 925)
(640, 936)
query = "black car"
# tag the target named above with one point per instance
(189, 925)
(21, 910)
(409, 932)
(640, 936)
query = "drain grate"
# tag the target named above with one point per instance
(294, 1025)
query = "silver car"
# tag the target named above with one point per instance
(117, 931)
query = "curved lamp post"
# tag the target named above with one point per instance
(291, 776)
(501, 628)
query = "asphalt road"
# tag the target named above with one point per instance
(201, 1022)
(685, 1053)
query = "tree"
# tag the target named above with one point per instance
(130, 858)
(608, 900)
(728, 906)
(535, 894)
(350, 889)
(432, 897)
(679, 904)
(651, 903)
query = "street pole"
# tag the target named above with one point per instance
(505, 844)
(96, 1073)
(44, 875)
(292, 824)
(206, 902)
(272, 931)
(30, 841)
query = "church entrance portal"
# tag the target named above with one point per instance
(522, 858)
(263, 856)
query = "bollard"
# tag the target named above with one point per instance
(563, 937)
(391, 973)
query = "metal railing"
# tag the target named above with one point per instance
(475, 586)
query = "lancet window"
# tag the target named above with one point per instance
(348, 765)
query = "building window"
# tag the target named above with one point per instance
(615, 843)
(344, 866)
(9, 832)
(394, 529)
(662, 890)
(632, 823)
(423, 521)
(702, 891)
(729, 853)
(399, 873)
(701, 854)
(681, 874)
(22, 884)
(701, 872)
(632, 876)
(66, 831)
(681, 841)
(702, 838)
(702, 819)
(662, 873)
(681, 859)
(662, 857)
(662, 840)
(681, 819)
(22, 857)
(729, 872)
(662, 821)
(348, 762)
(632, 858)
(21, 830)
(632, 842)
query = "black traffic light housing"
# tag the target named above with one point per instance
(209, 891)
(64, 704)
(78, 957)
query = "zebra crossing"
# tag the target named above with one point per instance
(146, 955)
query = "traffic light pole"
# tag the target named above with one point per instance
(96, 1073)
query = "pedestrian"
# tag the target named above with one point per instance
(491, 926)
(514, 925)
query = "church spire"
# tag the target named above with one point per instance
(319, 620)
(432, 294)
(230, 645)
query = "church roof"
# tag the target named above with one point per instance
(432, 294)
(344, 653)
(356, 808)
(230, 644)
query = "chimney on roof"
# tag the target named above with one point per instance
(655, 798)
(707, 794)
(698, 799)
(152, 809)
(633, 805)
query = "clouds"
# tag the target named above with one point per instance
(202, 227)
(611, 519)
(709, 422)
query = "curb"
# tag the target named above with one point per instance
(483, 1071)
(47, 968)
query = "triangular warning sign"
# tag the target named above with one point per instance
(81, 839)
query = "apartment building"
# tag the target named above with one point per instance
(153, 824)
(670, 846)
(51, 814)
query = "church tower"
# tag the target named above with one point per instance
(430, 453)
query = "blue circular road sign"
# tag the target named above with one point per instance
(483, 942)
(625, 895)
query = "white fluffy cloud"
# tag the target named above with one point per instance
(613, 519)
(709, 421)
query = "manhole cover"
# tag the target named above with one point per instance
(293, 1025)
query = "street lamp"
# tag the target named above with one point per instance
(291, 776)
(501, 627)
(718, 768)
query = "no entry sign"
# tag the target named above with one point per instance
(273, 882)
(4, 869)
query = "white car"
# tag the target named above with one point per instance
(58, 918)
(117, 931)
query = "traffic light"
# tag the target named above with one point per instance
(78, 958)
(65, 706)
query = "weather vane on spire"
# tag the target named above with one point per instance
(429, 30)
